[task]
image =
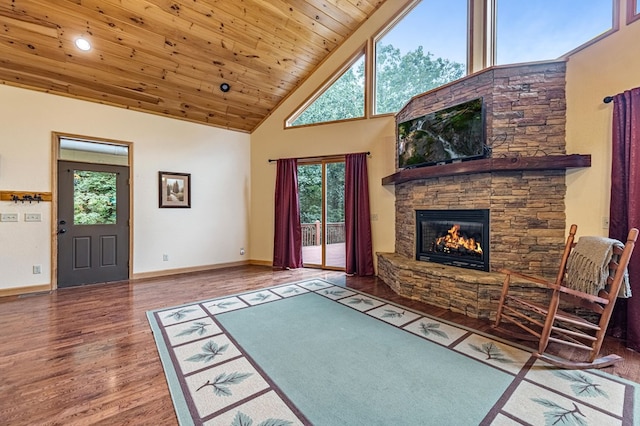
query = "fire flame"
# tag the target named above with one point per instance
(454, 241)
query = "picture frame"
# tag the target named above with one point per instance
(174, 190)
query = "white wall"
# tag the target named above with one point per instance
(211, 232)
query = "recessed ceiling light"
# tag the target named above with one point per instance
(83, 44)
(225, 87)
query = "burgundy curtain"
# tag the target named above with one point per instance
(624, 212)
(357, 219)
(287, 244)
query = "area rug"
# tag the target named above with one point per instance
(312, 353)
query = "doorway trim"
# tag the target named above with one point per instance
(55, 150)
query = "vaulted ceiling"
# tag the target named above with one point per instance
(170, 57)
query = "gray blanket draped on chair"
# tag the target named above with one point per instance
(588, 266)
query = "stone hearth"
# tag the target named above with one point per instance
(525, 117)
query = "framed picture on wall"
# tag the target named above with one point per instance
(174, 190)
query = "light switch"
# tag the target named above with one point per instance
(9, 217)
(32, 217)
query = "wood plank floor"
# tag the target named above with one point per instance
(86, 355)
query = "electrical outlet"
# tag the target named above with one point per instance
(165, 257)
(374, 217)
(242, 252)
(32, 217)
(37, 269)
(9, 217)
(605, 222)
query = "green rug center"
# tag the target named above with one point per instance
(340, 366)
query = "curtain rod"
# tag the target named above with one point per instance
(607, 99)
(319, 157)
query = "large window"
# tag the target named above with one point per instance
(433, 44)
(343, 99)
(425, 49)
(547, 29)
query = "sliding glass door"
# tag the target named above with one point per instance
(321, 192)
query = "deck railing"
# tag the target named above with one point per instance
(312, 233)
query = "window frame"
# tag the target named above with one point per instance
(633, 11)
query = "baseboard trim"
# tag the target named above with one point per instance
(261, 262)
(16, 291)
(143, 275)
(177, 271)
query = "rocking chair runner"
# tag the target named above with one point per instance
(548, 323)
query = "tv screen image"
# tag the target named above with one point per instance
(450, 134)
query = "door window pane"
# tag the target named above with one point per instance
(93, 152)
(334, 201)
(310, 198)
(94, 198)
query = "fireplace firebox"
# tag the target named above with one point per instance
(453, 237)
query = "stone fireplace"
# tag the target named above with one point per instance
(521, 186)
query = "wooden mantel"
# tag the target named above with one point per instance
(487, 165)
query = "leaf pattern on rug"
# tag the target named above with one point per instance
(222, 382)
(358, 300)
(558, 415)
(316, 284)
(210, 350)
(295, 290)
(428, 328)
(261, 297)
(197, 327)
(242, 419)
(390, 313)
(581, 384)
(180, 314)
(223, 305)
(334, 292)
(491, 351)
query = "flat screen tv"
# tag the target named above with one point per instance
(452, 134)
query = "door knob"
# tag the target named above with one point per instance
(62, 231)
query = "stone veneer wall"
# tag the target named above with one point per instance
(525, 116)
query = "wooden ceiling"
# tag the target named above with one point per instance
(170, 57)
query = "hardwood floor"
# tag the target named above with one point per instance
(86, 355)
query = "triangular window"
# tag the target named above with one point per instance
(341, 98)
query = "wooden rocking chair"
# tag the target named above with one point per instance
(582, 328)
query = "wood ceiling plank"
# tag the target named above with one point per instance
(149, 62)
(57, 78)
(22, 79)
(169, 57)
(268, 13)
(196, 46)
(314, 10)
(260, 23)
(350, 17)
(8, 22)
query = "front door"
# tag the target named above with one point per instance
(93, 223)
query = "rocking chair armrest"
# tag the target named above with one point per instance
(581, 295)
(552, 286)
(536, 280)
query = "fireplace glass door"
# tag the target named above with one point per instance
(453, 237)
